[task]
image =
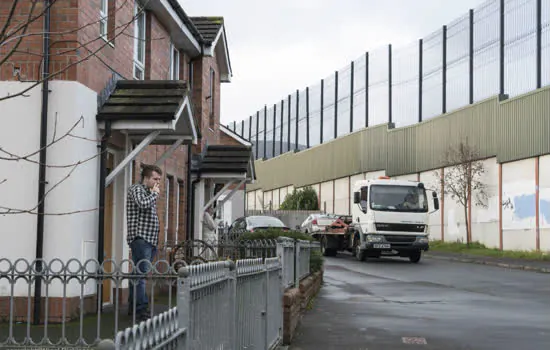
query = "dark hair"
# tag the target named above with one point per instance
(147, 170)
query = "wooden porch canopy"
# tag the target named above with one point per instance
(150, 112)
(225, 164)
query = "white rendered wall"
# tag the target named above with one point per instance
(454, 220)
(432, 183)
(251, 200)
(327, 197)
(518, 211)
(19, 191)
(70, 226)
(544, 202)
(276, 199)
(341, 196)
(485, 228)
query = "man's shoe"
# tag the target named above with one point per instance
(144, 316)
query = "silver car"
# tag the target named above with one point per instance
(317, 222)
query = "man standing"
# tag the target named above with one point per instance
(143, 232)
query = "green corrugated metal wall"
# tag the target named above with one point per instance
(510, 130)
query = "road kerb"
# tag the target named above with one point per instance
(490, 263)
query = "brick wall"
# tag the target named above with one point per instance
(27, 58)
(295, 302)
(157, 52)
(97, 59)
(201, 94)
(228, 140)
(105, 57)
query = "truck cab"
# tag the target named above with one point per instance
(391, 217)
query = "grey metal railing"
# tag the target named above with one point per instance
(303, 254)
(295, 256)
(72, 308)
(285, 250)
(221, 305)
(196, 301)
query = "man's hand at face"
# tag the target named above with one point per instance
(156, 188)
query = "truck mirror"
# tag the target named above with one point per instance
(356, 197)
(436, 201)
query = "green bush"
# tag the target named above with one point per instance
(305, 199)
(316, 261)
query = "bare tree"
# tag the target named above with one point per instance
(462, 180)
(20, 28)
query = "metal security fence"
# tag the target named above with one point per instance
(81, 301)
(500, 48)
(198, 298)
(285, 249)
(303, 255)
(295, 256)
(221, 305)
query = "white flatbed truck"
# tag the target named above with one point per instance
(390, 218)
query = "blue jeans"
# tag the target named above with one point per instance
(141, 250)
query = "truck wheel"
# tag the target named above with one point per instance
(324, 249)
(415, 257)
(360, 255)
(331, 252)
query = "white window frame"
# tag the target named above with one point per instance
(177, 210)
(104, 18)
(139, 66)
(174, 62)
(167, 211)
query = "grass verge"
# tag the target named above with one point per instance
(476, 248)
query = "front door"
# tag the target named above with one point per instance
(108, 230)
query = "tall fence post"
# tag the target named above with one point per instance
(232, 300)
(297, 250)
(183, 303)
(266, 306)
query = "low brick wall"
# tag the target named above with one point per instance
(295, 303)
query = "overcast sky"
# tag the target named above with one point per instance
(279, 46)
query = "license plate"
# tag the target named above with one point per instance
(381, 246)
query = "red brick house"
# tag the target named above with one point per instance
(129, 82)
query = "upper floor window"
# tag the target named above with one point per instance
(103, 19)
(174, 63)
(139, 42)
(212, 92)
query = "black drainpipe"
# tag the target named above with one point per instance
(101, 223)
(42, 165)
(190, 187)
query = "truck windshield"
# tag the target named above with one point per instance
(398, 198)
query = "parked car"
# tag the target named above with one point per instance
(255, 223)
(317, 222)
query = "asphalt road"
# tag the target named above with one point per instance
(446, 305)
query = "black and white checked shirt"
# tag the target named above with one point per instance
(142, 219)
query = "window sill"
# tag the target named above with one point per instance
(111, 44)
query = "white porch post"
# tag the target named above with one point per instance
(133, 154)
(199, 206)
(128, 175)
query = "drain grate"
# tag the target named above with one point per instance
(414, 340)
